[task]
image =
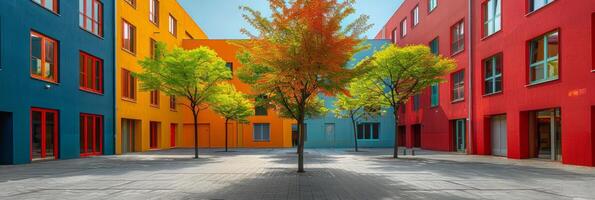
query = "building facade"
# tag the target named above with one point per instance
(524, 83)
(57, 79)
(265, 129)
(147, 120)
(332, 132)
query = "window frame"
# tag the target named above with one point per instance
(43, 124)
(460, 40)
(84, 131)
(403, 26)
(56, 53)
(152, 48)
(154, 98)
(493, 65)
(546, 58)
(486, 21)
(546, 3)
(84, 16)
(173, 26)
(55, 5)
(456, 86)
(416, 102)
(85, 56)
(126, 92)
(132, 35)
(430, 3)
(434, 95)
(394, 35)
(261, 133)
(173, 103)
(131, 3)
(437, 40)
(154, 12)
(370, 127)
(415, 16)
(229, 66)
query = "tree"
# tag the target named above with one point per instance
(358, 104)
(193, 74)
(299, 52)
(395, 74)
(232, 105)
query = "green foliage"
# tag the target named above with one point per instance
(232, 104)
(358, 104)
(193, 74)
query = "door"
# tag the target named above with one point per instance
(204, 135)
(44, 134)
(416, 135)
(128, 135)
(499, 136)
(329, 132)
(154, 135)
(91, 132)
(401, 136)
(459, 131)
(172, 132)
(5, 133)
(549, 135)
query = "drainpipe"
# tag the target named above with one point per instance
(470, 75)
(114, 49)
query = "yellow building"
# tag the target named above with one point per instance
(147, 120)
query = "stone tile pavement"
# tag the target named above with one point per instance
(270, 174)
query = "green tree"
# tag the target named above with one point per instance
(193, 74)
(232, 105)
(299, 52)
(395, 74)
(358, 104)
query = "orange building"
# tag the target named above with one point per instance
(265, 129)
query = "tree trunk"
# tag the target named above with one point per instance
(195, 115)
(226, 120)
(301, 146)
(396, 149)
(354, 133)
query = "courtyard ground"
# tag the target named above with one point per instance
(270, 174)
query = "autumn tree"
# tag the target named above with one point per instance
(395, 74)
(193, 74)
(232, 105)
(356, 105)
(298, 52)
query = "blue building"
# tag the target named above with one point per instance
(332, 132)
(56, 79)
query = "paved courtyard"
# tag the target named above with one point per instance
(270, 174)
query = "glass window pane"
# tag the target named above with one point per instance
(49, 59)
(36, 134)
(89, 72)
(375, 131)
(537, 49)
(36, 55)
(552, 44)
(498, 84)
(89, 139)
(367, 131)
(49, 134)
(98, 134)
(360, 131)
(537, 73)
(98, 74)
(552, 69)
(82, 134)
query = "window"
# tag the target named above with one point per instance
(154, 98)
(229, 66)
(44, 58)
(131, 2)
(172, 103)
(415, 16)
(435, 95)
(457, 38)
(91, 16)
(128, 37)
(394, 36)
(434, 46)
(458, 86)
(537, 4)
(368, 131)
(492, 69)
(91, 134)
(44, 133)
(173, 26)
(154, 11)
(416, 102)
(432, 4)
(128, 85)
(261, 133)
(91, 73)
(492, 20)
(152, 47)
(543, 53)
(404, 28)
(259, 109)
(48, 4)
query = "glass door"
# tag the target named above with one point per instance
(460, 144)
(44, 134)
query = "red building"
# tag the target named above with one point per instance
(525, 82)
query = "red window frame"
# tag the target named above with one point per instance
(172, 103)
(154, 98)
(456, 85)
(129, 44)
(154, 12)
(97, 79)
(128, 85)
(96, 19)
(55, 5)
(43, 112)
(97, 150)
(43, 58)
(459, 40)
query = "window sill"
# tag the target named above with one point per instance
(45, 80)
(542, 82)
(155, 106)
(491, 35)
(493, 94)
(129, 100)
(457, 101)
(128, 51)
(98, 36)
(261, 141)
(539, 9)
(91, 91)
(456, 53)
(364, 140)
(57, 13)
(173, 110)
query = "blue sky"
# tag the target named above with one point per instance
(221, 19)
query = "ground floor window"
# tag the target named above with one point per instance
(368, 131)
(261, 132)
(44, 133)
(91, 132)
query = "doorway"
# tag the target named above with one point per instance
(329, 132)
(459, 135)
(416, 134)
(91, 134)
(401, 136)
(545, 134)
(499, 135)
(294, 135)
(130, 129)
(5, 137)
(172, 132)
(44, 134)
(154, 129)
